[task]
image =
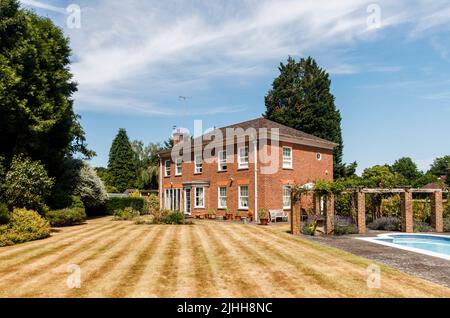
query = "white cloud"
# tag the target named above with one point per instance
(168, 46)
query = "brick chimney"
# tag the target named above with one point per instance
(178, 136)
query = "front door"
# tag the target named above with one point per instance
(187, 201)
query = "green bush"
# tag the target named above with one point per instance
(120, 203)
(174, 218)
(126, 214)
(447, 224)
(4, 214)
(76, 202)
(24, 226)
(152, 203)
(160, 216)
(66, 217)
(27, 184)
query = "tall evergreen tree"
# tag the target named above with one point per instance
(122, 163)
(301, 98)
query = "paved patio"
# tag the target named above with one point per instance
(431, 268)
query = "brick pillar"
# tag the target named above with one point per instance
(436, 211)
(329, 212)
(316, 204)
(360, 204)
(296, 221)
(406, 206)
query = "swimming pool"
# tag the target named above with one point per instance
(428, 244)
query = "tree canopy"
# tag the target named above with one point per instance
(122, 163)
(407, 168)
(36, 107)
(440, 166)
(301, 98)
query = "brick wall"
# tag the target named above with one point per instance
(306, 168)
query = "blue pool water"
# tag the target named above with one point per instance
(431, 243)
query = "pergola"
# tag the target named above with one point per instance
(359, 199)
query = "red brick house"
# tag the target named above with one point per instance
(245, 171)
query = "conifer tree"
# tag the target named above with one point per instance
(122, 163)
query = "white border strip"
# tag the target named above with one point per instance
(406, 248)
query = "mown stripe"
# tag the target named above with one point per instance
(41, 281)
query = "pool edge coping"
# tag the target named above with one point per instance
(405, 248)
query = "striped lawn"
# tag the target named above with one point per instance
(207, 259)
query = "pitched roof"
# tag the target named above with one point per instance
(284, 130)
(297, 135)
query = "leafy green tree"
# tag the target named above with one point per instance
(147, 164)
(380, 177)
(424, 180)
(301, 98)
(36, 88)
(27, 184)
(440, 166)
(407, 168)
(122, 164)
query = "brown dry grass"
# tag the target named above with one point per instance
(208, 259)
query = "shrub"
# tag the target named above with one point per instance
(420, 226)
(76, 202)
(90, 189)
(4, 214)
(27, 184)
(175, 218)
(160, 216)
(447, 225)
(24, 226)
(66, 217)
(152, 203)
(126, 214)
(120, 203)
(344, 226)
(263, 214)
(386, 224)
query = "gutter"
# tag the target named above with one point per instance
(160, 183)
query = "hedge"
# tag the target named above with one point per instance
(66, 217)
(121, 203)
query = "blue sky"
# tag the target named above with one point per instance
(390, 76)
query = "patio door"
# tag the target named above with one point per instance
(187, 201)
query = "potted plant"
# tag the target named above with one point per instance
(211, 214)
(263, 216)
(228, 215)
(250, 216)
(237, 216)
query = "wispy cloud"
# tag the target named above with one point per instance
(155, 47)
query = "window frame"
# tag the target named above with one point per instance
(220, 160)
(240, 196)
(285, 207)
(167, 168)
(196, 197)
(291, 161)
(198, 166)
(244, 165)
(179, 164)
(220, 197)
